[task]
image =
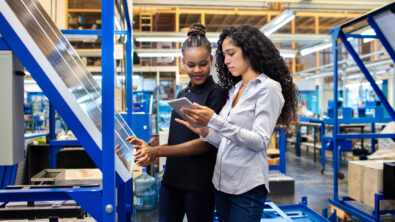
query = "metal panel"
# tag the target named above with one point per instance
(65, 71)
(11, 118)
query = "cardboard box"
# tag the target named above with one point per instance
(365, 179)
(118, 99)
(355, 175)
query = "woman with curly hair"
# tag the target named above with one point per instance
(261, 95)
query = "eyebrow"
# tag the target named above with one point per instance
(197, 62)
(227, 50)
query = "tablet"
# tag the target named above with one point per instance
(177, 104)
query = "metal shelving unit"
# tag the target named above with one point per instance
(99, 202)
(374, 19)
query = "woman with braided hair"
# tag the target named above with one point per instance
(186, 185)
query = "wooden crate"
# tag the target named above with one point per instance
(68, 177)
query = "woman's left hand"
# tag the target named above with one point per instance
(200, 115)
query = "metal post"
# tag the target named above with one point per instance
(315, 142)
(373, 130)
(335, 50)
(322, 147)
(298, 138)
(157, 92)
(129, 77)
(282, 145)
(52, 122)
(108, 158)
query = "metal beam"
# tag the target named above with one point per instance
(208, 11)
(213, 36)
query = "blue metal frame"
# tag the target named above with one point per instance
(108, 66)
(283, 148)
(3, 45)
(298, 136)
(337, 33)
(293, 212)
(88, 198)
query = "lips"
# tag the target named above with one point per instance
(230, 69)
(197, 77)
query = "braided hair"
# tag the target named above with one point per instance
(196, 38)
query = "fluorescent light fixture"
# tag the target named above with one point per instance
(147, 53)
(315, 48)
(213, 37)
(168, 39)
(368, 32)
(364, 84)
(278, 22)
(77, 37)
(288, 53)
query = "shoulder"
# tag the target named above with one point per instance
(269, 85)
(182, 92)
(270, 89)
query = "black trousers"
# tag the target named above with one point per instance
(175, 203)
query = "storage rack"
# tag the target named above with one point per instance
(338, 33)
(99, 202)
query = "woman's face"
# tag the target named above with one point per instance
(197, 63)
(234, 60)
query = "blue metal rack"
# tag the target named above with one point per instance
(282, 147)
(293, 212)
(338, 33)
(99, 202)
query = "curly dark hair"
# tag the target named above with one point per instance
(264, 58)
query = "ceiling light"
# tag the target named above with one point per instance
(78, 37)
(213, 37)
(315, 48)
(368, 32)
(278, 22)
(288, 53)
(146, 53)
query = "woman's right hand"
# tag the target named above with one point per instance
(138, 143)
(201, 131)
(145, 154)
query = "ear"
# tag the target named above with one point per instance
(211, 59)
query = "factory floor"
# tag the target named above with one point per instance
(309, 182)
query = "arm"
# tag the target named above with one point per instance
(146, 154)
(268, 108)
(193, 147)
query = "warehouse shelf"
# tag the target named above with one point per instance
(381, 21)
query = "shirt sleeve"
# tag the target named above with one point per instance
(213, 138)
(268, 108)
(216, 101)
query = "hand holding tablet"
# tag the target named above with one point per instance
(177, 104)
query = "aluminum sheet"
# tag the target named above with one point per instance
(66, 71)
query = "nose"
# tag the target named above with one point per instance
(197, 69)
(227, 60)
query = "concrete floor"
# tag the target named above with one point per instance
(309, 182)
